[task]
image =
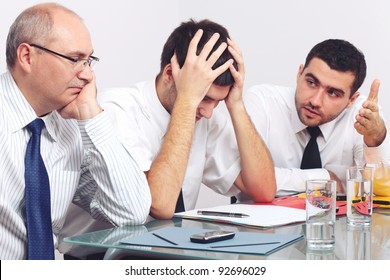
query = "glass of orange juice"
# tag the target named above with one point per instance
(382, 179)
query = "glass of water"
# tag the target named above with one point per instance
(359, 195)
(320, 213)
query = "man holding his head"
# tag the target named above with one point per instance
(325, 111)
(57, 145)
(176, 132)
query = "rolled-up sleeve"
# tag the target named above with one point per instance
(112, 187)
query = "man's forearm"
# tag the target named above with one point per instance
(167, 171)
(257, 170)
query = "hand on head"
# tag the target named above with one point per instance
(196, 76)
(235, 94)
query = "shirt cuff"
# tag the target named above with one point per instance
(312, 174)
(96, 131)
(377, 154)
(297, 182)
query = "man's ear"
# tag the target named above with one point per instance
(167, 74)
(24, 57)
(353, 99)
(300, 71)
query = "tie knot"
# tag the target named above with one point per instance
(36, 126)
(314, 131)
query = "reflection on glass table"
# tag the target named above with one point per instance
(351, 243)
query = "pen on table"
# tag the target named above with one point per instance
(223, 214)
(243, 245)
(163, 238)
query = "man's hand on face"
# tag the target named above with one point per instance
(85, 106)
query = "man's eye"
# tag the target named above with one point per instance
(311, 83)
(333, 93)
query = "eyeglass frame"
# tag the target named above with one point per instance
(90, 60)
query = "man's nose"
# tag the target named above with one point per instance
(316, 99)
(86, 74)
(207, 110)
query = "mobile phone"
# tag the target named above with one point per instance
(212, 236)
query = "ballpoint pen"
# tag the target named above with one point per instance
(163, 238)
(222, 214)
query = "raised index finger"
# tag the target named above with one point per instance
(373, 96)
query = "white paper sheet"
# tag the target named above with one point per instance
(259, 215)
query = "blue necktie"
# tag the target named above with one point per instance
(311, 155)
(39, 229)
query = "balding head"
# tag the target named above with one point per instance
(32, 25)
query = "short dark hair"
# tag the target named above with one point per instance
(342, 56)
(179, 41)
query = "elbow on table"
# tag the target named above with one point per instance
(265, 192)
(132, 218)
(162, 213)
(264, 198)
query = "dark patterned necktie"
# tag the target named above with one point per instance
(311, 155)
(38, 211)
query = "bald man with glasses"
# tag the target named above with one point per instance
(57, 145)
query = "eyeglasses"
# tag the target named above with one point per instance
(78, 63)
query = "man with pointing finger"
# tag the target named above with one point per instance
(325, 125)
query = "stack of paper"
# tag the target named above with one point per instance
(258, 215)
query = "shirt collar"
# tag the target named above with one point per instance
(51, 124)
(297, 125)
(162, 116)
(20, 111)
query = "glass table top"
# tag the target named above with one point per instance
(351, 243)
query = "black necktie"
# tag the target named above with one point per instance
(180, 203)
(311, 155)
(38, 216)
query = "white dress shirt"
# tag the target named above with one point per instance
(142, 122)
(273, 112)
(86, 164)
